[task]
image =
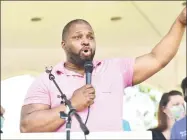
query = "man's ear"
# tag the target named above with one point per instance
(63, 44)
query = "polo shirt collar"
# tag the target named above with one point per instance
(60, 69)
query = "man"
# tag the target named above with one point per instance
(184, 88)
(178, 131)
(40, 112)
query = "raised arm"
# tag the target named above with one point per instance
(149, 64)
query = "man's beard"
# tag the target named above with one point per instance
(78, 60)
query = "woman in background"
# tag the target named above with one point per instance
(179, 128)
(171, 108)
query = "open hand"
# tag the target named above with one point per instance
(182, 16)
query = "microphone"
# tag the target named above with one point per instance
(88, 66)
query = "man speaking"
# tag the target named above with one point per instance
(40, 112)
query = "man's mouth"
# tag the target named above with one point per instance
(86, 52)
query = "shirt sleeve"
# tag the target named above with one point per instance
(38, 91)
(126, 66)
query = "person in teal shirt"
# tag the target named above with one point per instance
(178, 131)
(126, 126)
(2, 118)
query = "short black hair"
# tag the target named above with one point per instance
(69, 24)
(184, 85)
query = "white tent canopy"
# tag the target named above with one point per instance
(27, 47)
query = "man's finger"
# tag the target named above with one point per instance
(91, 102)
(91, 96)
(90, 91)
(88, 86)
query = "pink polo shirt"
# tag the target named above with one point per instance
(109, 78)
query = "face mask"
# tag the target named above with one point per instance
(2, 121)
(177, 112)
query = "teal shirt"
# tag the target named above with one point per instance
(126, 126)
(178, 131)
(2, 121)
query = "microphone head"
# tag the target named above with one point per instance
(88, 66)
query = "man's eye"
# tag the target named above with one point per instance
(77, 37)
(91, 37)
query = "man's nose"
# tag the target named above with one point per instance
(85, 42)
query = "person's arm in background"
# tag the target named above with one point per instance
(2, 111)
(149, 64)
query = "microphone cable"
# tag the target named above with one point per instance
(87, 119)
